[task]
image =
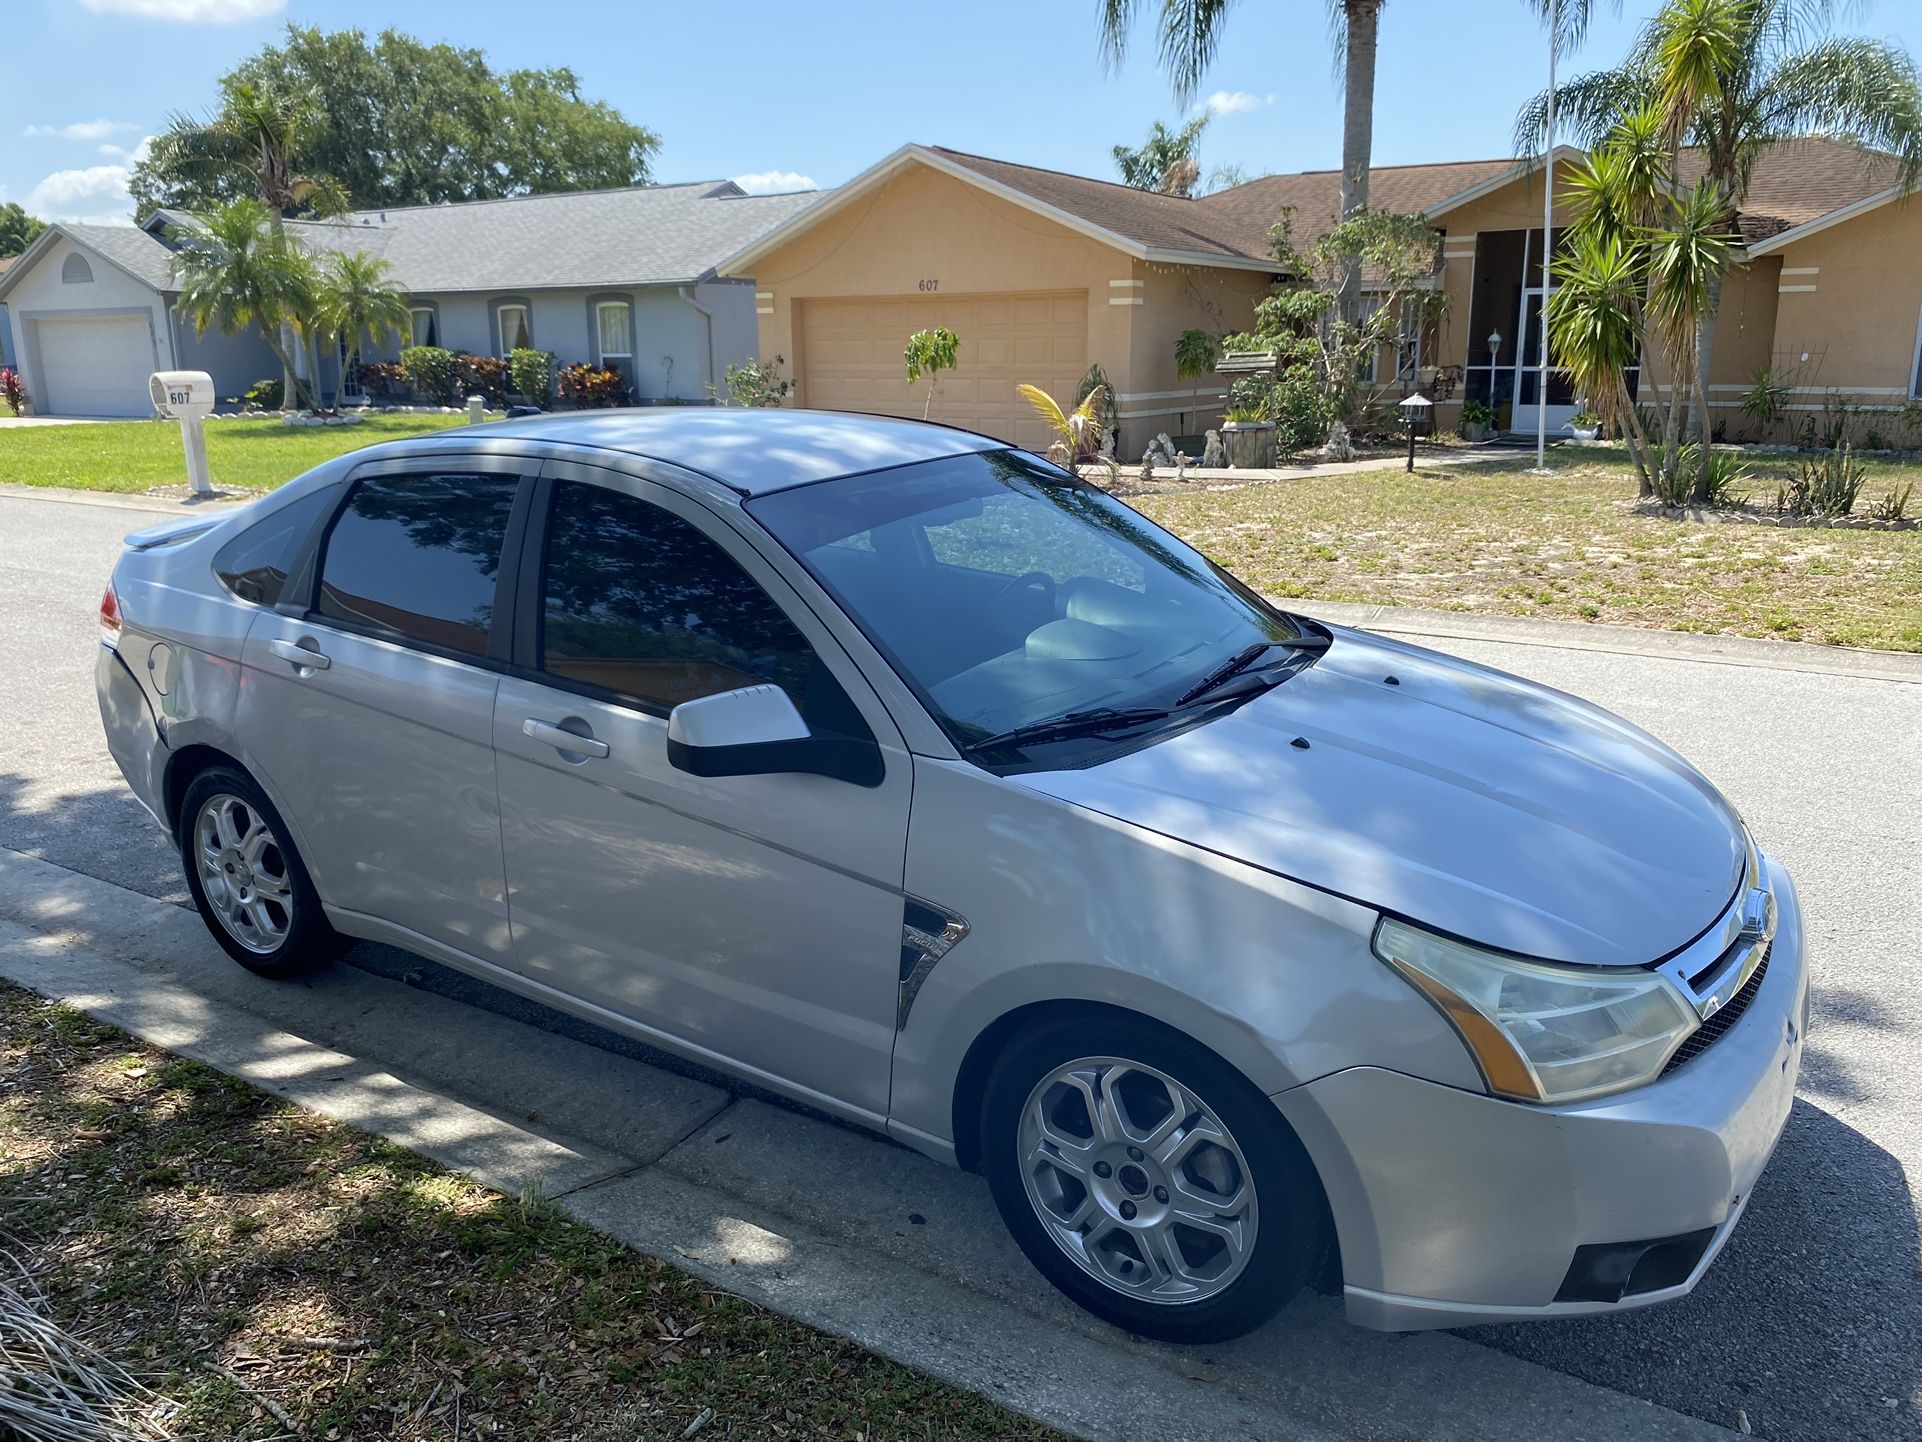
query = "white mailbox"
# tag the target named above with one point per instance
(187, 397)
(182, 395)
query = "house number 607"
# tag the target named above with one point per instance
(930, 285)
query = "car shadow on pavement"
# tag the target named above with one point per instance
(1809, 1324)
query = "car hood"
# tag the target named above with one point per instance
(1461, 798)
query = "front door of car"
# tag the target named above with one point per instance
(755, 919)
(368, 701)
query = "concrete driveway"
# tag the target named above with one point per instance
(1809, 1327)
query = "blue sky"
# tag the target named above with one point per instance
(794, 93)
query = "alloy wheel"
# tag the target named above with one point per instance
(243, 873)
(1137, 1180)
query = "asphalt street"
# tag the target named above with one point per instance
(1809, 1327)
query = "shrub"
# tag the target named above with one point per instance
(13, 390)
(532, 373)
(1826, 487)
(593, 386)
(433, 372)
(486, 377)
(264, 395)
(1726, 471)
(1298, 404)
(758, 383)
(1477, 413)
(382, 380)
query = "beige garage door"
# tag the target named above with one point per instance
(851, 356)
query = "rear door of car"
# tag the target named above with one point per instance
(370, 695)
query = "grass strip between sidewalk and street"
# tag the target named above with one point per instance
(265, 1269)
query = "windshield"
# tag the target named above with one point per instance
(1007, 594)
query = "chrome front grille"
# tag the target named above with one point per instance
(1712, 1030)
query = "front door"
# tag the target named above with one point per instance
(1528, 375)
(752, 919)
(370, 711)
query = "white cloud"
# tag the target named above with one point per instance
(775, 182)
(83, 129)
(188, 12)
(94, 195)
(1234, 102)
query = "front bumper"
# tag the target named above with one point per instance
(1454, 1208)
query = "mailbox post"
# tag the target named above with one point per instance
(188, 397)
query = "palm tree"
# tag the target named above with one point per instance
(357, 303)
(252, 145)
(1642, 262)
(1078, 433)
(1165, 162)
(1730, 78)
(1190, 33)
(236, 270)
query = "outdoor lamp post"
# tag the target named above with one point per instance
(1416, 412)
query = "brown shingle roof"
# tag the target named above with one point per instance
(1796, 181)
(1315, 195)
(1161, 222)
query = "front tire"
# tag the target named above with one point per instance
(247, 881)
(1148, 1180)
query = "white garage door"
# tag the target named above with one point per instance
(851, 357)
(95, 367)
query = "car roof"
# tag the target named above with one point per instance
(752, 451)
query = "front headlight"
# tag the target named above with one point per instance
(1544, 1033)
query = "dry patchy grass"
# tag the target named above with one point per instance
(1492, 538)
(231, 1248)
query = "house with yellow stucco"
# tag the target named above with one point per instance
(1043, 274)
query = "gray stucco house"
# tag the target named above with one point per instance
(620, 277)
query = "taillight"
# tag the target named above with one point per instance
(109, 616)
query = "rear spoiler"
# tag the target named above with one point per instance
(169, 533)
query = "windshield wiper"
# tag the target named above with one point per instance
(1091, 722)
(1241, 661)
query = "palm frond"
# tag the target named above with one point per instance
(1117, 18)
(1191, 32)
(1586, 108)
(1863, 91)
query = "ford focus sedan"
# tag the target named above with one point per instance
(898, 771)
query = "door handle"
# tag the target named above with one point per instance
(561, 739)
(298, 655)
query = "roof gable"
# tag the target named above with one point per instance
(127, 249)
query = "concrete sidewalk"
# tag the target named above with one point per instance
(833, 1226)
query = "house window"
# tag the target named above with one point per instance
(614, 323)
(424, 326)
(74, 270)
(514, 333)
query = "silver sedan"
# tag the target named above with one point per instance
(901, 772)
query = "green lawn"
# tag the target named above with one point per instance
(1493, 538)
(250, 455)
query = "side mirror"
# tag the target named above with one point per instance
(756, 731)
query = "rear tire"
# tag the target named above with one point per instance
(247, 881)
(1148, 1180)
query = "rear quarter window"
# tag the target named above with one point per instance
(255, 564)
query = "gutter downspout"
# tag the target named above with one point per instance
(707, 354)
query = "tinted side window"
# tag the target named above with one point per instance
(637, 601)
(415, 557)
(254, 564)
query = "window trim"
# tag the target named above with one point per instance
(428, 308)
(499, 309)
(595, 303)
(300, 597)
(1915, 362)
